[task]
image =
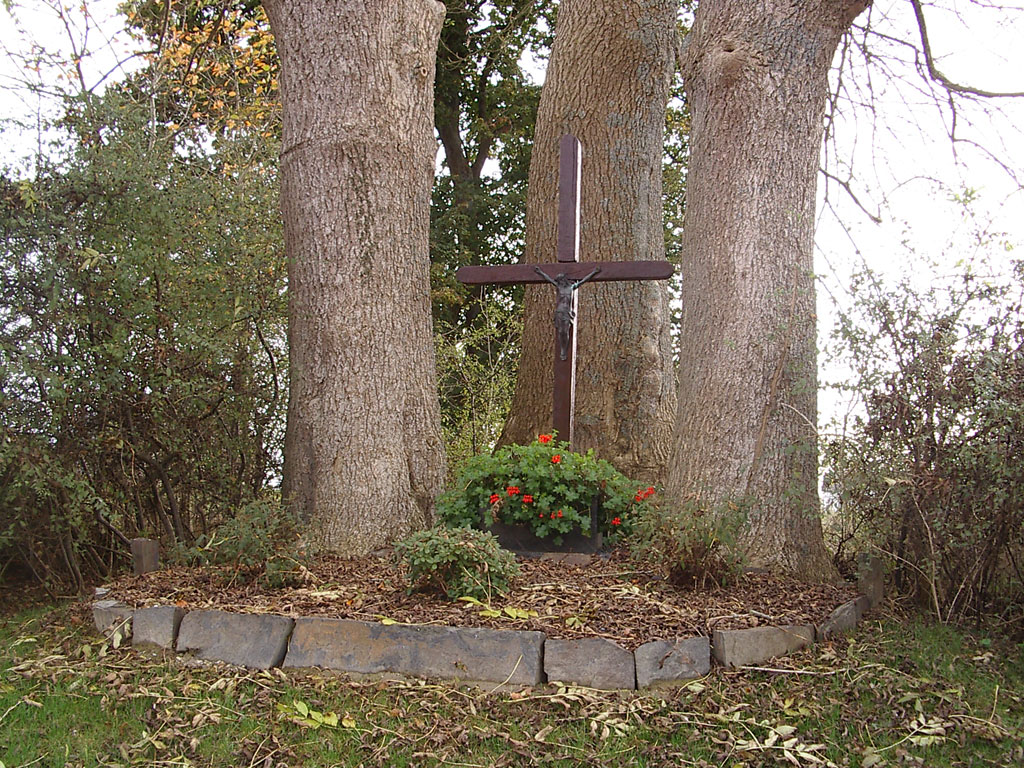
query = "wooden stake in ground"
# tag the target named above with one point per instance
(567, 274)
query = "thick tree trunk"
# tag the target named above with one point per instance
(756, 75)
(607, 83)
(363, 453)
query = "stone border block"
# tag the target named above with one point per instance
(145, 555)
(477, 654)
(661, 662)
(741, 647)
(109, 615)
(257, 641)
(863, 605)
(842, 620)
(871, 579)
(593, 661)
(157, 625)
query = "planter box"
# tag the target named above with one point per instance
(519, 538)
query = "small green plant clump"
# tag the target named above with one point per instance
(460, 562)
(261, 542)
(693, 544)
(545, 487)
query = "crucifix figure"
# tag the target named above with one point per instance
(565, 306)
(569, 274)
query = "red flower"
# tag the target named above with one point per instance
(495, 498)
(639, 496)
(552, 515)
(616, 521)
(527, 499)
(545, 439)
(512, 490)
(649, 491)
(541, 515)
(556, 459)
(559, 513)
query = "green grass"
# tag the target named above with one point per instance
(898, 694)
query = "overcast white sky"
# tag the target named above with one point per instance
(906, 168)
(904, 165)
(28, 39)
(901, 150)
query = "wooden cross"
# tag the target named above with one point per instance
(567, 275)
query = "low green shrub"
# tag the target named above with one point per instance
(693, 544)
(460, 562)
(262, 541)
(545, 487)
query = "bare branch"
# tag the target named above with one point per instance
(940, 78)
(875, 217)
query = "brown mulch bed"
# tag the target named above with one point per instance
(606, 598)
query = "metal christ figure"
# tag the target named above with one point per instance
(565, 313)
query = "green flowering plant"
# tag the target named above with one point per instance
(545, 487)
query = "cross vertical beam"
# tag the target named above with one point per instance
(570, 160)
(567, 274)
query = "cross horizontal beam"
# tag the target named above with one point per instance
(510, 274)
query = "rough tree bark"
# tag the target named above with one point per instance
(756, 76)
(363, 454)
(607, 83)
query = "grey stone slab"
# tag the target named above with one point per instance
(157, 625)
(475, 654)
(843, 619)
(593, 662)
(110, 615)
(145, 556)
(871, 579)
(662, 661)
(552, 557)
(246, 640)
(740, 647)
(863, 605)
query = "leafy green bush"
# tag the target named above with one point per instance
(930, 475)
(261, 541)
(475, 381)
(460, 562)
(545, 487)
(143, 333)
(693, 544)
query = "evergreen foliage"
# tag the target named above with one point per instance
(261, 541)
